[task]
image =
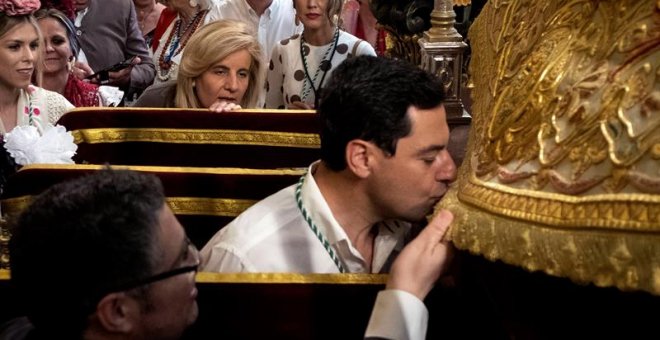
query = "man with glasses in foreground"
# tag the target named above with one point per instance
(103, 256)
(118, 264)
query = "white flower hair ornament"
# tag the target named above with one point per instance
(27, 146)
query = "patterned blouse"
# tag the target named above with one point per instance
(288, 81)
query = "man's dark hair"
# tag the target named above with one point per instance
(368, 98)
(82, 239)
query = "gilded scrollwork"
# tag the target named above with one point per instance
(565, 141)
(574, 89)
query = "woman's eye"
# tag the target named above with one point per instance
(243, 74)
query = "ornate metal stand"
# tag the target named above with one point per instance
(442, 54)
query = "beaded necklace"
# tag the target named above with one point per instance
(315, 228)
(305, 89)
(176, 42)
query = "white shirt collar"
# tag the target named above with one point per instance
(390, 233)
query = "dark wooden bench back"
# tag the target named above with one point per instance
(194, 138)
(203, 199)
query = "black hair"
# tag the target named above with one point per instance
(80, 240)
(368, 98)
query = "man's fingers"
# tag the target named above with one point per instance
(437, 228)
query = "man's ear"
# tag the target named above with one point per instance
(359, 158)
(117, 313)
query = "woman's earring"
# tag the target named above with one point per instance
(69, 65)
(192, 3)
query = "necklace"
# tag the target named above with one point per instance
(176, 42)
(315, 229)
(312, 87)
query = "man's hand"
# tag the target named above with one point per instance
(81, 70)
(121, 78)
(424, 259)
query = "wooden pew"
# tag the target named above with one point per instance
(203, 199)
(266, 306)
(199, 138)
(298, 306)
(284, 306)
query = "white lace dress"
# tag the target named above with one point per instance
(37, 106)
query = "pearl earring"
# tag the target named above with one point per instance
(192, 3)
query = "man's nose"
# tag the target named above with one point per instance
(447, 169)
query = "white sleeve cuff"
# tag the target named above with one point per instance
(398, 315)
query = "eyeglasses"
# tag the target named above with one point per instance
(192, 249)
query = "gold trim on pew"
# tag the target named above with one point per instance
(98, 109)
(197, 136)
(180, 205)
(209, 206)
(208, 277)
(181, 169)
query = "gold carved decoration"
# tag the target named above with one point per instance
(563, 173)
(230, 207)
(271, 278)
(197, 136)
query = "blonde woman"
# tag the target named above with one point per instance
(22, 104)
(221, 69)
(301, 65)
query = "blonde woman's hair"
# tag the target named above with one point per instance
(211, 44)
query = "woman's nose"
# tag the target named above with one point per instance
(232, 83)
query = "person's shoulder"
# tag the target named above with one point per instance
(264, 217)
(355, 44)
(159, 94)
(53, 101)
